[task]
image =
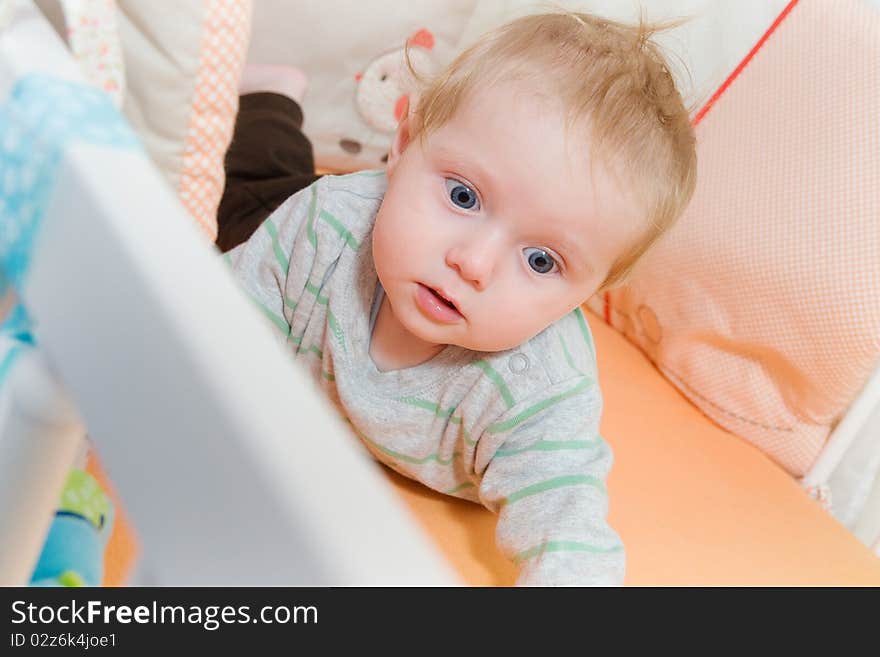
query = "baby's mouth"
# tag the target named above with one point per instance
(444, 300)
(449, 308)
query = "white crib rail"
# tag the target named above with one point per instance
(231, 465)
(849, 466)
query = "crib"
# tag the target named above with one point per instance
(135, 323)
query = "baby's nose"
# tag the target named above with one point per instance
(475, 261)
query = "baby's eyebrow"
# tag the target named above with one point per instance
(479, 175)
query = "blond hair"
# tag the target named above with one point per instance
(611, 77)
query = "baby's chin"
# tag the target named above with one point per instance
(490, 341)
(493, 346)
(448, 336)
(486, 344)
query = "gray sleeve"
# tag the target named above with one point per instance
(262, 264)
(546, 481)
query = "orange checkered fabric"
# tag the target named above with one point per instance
(215, 103)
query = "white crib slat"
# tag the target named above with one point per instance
(850, 461)
(846, 431)
(227, 458)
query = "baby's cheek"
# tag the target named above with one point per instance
(380, 244)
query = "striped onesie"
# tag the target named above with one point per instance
(515, 430)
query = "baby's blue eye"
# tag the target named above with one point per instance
(461, 195)
(539, 260)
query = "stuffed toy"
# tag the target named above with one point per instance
(383, 87)
(382, 98)
(73, 554)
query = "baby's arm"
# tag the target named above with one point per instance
(546, 481)
(263, 264)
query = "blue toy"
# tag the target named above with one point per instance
(73, 554)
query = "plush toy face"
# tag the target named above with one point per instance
(382, 95)
(383, 89)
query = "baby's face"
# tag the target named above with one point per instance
(499, 213)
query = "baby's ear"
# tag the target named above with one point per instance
(400, 141)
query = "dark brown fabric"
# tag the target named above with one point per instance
(268, 161)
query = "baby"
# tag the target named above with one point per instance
(438, 301)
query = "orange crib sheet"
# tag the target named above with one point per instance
(694, 504)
